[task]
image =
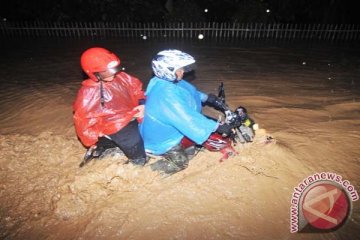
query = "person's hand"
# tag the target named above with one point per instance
(215, 102)
(224, 129)
(140, 111)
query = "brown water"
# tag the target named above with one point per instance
(306, 97)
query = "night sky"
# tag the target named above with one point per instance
(264, 11)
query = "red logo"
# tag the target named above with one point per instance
(325, 206)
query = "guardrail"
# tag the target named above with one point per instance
(183, 30)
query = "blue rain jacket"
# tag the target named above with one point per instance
(172, 111)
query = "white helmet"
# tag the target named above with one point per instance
(166, 62)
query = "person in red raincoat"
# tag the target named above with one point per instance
(108, 106)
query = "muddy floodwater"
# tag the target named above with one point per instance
(306, 96)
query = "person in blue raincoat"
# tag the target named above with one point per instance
(173, 111)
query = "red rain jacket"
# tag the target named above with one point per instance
(92, 120)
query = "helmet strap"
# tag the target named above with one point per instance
(102, 98)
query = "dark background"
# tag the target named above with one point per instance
(282, 11)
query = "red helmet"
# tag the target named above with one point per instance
(99, 61)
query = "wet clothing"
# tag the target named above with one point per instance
(111, 124)
(175, 160)
(129, 140)
(173, 110)
(92, 120)
(126, 142)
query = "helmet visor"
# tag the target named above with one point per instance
(109, 72)
(189, 68)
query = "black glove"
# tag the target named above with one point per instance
(215, 102)
(224, 129)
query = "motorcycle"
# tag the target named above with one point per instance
(243, 130)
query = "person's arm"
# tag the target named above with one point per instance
(135, 86)
(215, 102)
(137, 93)
(84, 120)
(188, 121)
